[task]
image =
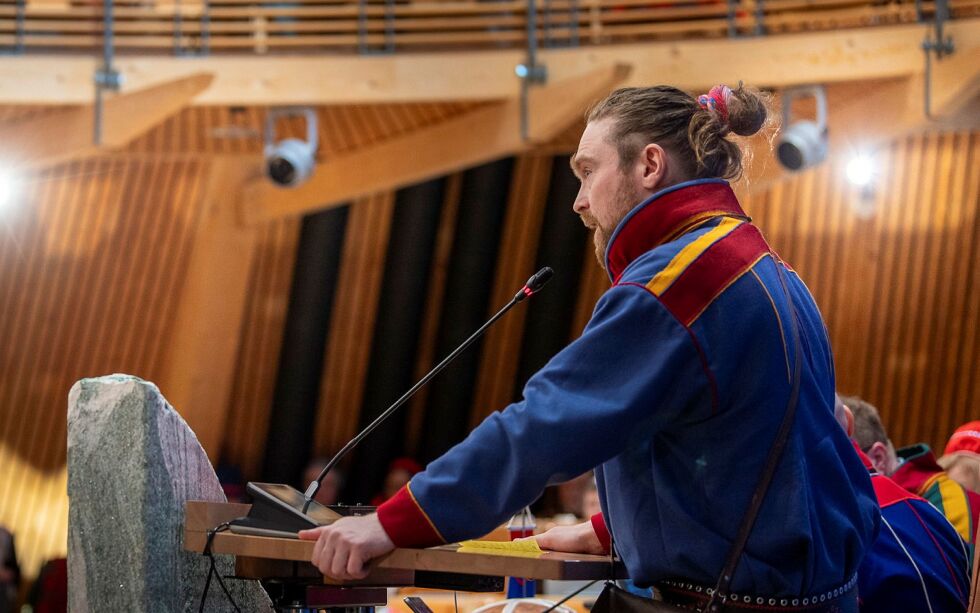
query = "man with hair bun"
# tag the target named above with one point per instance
(674, 391)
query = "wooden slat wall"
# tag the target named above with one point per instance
(352, 324)
(265, 317)
(426, 358)
(91, 262)
(240, 130)
(525, 212)
(91, 257)
(895, 274)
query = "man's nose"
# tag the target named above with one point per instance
(581, 202)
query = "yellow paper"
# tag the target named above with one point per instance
(528, 548)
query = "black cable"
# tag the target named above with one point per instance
(207, 586)
(213, 570)
(572, 595)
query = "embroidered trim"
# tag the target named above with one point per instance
(734, 598)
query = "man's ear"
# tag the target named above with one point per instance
(654, 163)
(849, 417)
(878, 453)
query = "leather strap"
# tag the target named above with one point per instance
(772, 461)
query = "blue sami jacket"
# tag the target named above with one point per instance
(675, 391)
(918, 562)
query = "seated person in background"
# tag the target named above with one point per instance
(918, 562)
(232, 482)
(49, 593)
(329, 491)
(9, 572)
(961, 459)
(915, 469)
(399, 472)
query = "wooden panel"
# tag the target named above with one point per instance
(91, 257)
(428, 336)
(352, 324)
(258, 359)
(828, 56)
(894, 273)
(525, 211)
(235, 130)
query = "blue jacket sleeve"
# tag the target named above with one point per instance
(634, 369)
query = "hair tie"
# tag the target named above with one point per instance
(716, 101)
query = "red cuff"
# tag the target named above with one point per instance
(406, 523)
(599, 525)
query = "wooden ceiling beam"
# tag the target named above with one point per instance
(771, 61)
(69, 133)
(487, 133)
(205, 337)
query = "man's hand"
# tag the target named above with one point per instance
(580, 538)
(344, 548)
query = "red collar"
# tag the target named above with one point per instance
(666, 215)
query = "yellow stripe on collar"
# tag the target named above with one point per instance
(663, 279)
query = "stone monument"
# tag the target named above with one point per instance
(132, 463)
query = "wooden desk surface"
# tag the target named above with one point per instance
(395, 568)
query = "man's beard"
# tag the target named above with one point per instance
(625, 198)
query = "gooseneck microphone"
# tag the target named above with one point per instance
(533, 286)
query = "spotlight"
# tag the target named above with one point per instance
(9, 188)
(804, 143)
(860, 170)
(289, 162)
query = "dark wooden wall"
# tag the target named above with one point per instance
(92, 257)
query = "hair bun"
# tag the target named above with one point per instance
(747, 111)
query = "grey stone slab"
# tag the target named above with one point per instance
(132, 463)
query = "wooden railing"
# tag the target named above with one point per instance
(385, 26)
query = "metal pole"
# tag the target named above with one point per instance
(390, 26)
(362, 27)
(573, 39)
(532, 34)
(530, 72)
(19, 40)
(732, 29)
(178, 26)
(942, 46)
(206, 28)
(102, 77)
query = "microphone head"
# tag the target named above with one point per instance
(541, 277)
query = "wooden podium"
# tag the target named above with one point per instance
(286, 562)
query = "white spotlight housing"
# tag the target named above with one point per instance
(804, 143)
(289, 162)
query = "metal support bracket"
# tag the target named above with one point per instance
(105, 77)
(941, 45)
(530, 72)
(108, 78)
